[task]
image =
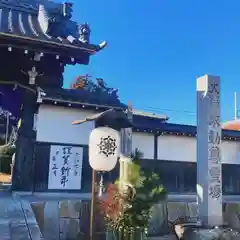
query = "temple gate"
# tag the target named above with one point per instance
(38, 39)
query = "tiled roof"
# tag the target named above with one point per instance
(177, 128)
(147, 122)
(232, 125)
(148, 114)
(21, 23)
(19, 20)
(189, 130)
(79, 96)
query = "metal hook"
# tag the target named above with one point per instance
(101, 186)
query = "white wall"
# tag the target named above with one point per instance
(178, 148)
(230, 152)
(145, 143)
(54, 124)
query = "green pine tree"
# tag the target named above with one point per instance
(136, 203)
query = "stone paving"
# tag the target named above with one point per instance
(17, 221)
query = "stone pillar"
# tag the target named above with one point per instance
(51, 221)
(209, 166)
(23, 171)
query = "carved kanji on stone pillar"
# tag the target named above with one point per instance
(209, 165)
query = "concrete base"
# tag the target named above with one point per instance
(166, 237)
(196, 232)
(36, 196)
(72, 213)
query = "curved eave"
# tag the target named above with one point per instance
(51, 47)
(79, 104)
(90, 48)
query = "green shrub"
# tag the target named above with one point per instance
(130, 210)
(6, 152)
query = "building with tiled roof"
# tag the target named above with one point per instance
(40, 38)
(235, 123)
(232, 125)
(168, 148)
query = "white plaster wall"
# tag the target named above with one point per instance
(175, 148)
(145, 143)
(178, 148)
(54, 124)
(231, 152)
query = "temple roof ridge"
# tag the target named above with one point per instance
(25, 1)
(27, 4)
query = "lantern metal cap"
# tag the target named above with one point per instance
(113, 118)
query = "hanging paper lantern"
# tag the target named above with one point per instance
(104, 148)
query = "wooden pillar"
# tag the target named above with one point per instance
(155, 153)
(23, 179)
(126, 135)
(126, 148)
(12, 165)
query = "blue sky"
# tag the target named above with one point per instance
(156, 49)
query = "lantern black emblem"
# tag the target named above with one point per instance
(107, 146)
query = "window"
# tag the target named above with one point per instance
(171, 175)
(190, 177)
(231, 178)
